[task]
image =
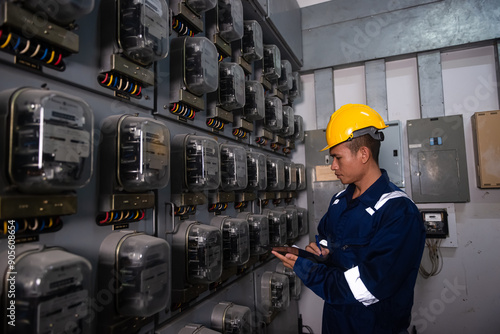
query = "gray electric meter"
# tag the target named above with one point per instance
(255, 108)
(272, 62)
(296, 90)
(198, 159)
(274, 113)
(230, 17)
(198, 249)
(61, 12)
(235, 239)
(201, 6)
(51, 287)
(288, 122)
(50, 140)
(258, 228)
(233, 161)
(294, 282)
(303, 221)
(301, 176)
(196, 329)
(275, 291)
(277, 227)
(252, 46)
(142, 149)
(229, 318)
(231, 86)
(194, 64)
(292, 221)
(299, 133)
(139, 266)
(290, 175)
(257, 171)
(275, 174)
(285, 82)
(143, 30)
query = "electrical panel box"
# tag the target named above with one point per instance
(274, 113)
(229, 318)
(50, 140)
(391, 153)
(257, 171)
(438, 164)
(435, 222)
(52, 290)
(272, 62)
(252, 47)
(233, 161)
(277, 227)
(485, 125)
(139, 266)
(231, 86)
(255, 107)
(258, 229)
(275, 174)
(235, 239)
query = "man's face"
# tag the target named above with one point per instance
(345, 164)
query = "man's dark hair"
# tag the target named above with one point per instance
(366, 140)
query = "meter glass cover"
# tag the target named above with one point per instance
(235, 240)
(257, 171)
(204, 253)
(51, 141)
(285, 82)
(275, 174)
(277, 227)
(299, 134)
(202, 168)
(201, 6)
(255, 108)
(288, 122)
(290, 175)
(201, 65)
(274, 113)
(231, 86)
(252, 46)
(144, 27)
(233, 167)
(230, 15)
(62, 12)
(258, 228)
(272, 62)
(144, 146)
(296, 89)
(275, 291)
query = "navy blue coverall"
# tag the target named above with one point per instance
(376, 243)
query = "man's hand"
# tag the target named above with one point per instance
(313, 248)
(287, 259)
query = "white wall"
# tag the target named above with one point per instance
(464, 297)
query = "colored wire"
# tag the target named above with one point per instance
(17, 43)
(105, 218)
(6, 41)
(26, 48)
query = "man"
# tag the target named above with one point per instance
(372, 236)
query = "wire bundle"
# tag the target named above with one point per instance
(181, 28)
(215, 123)
(185, 210)
(35, 225)
(114, 217)
(261, 141)
(239, 133)
(120, 83)
(275, 146)
(286, 150)
(217, 207)
(434, 251)
(240, 205)
(182, 110)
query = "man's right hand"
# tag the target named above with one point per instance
(313, 248)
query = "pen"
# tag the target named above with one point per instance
(319, 245)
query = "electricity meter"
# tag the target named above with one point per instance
(230, 16)
(198, 249)
(257, 171)
(292, 222)
(258, 227)
(274, 113)
(296, 89)
(275, 174)
(143, 30)
(277, 227)
(272, 62)
(294, 282)
(252, 47)
(235, 239)
(275, 291)
(285, 82)
(303, 221)
(196, 329)
(52, 290)
(142, 148)
(198, 161)
(288, 122)
(62, 12)
(140, 269)
(290, 175)
(201, 6)
(194, 63)
(254, 108)
(298, 128)
(229, 318)
(50, 140)
(233, 161)
(231, 86)
(301, 176)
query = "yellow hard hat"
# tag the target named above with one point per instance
(350, 118)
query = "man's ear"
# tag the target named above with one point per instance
(365, 154)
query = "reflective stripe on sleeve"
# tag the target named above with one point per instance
(358, 288)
